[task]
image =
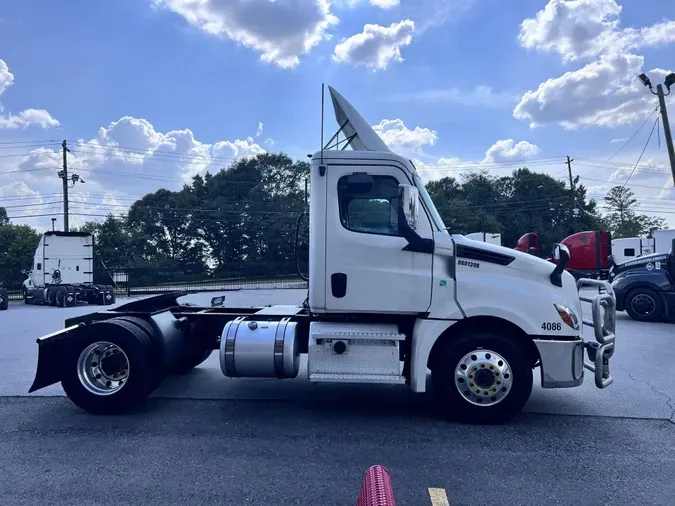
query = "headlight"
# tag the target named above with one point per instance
(568, 316)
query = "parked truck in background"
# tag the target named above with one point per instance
(4, 299)
(388, 302)
(63, 272)
(645, 286)
(590, 252)
(488, 237)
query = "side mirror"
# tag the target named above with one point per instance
(409, 204)
(561, 253)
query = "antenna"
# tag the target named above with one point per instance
(323, 94)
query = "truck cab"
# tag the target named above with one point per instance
(62, 272)
(645, 286)
(392, 295)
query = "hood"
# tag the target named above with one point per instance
(522, 261)
(647, 262)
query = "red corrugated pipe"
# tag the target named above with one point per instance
(376, 489)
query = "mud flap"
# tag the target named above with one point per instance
(53, 351)
(4, 300)
(70, 297)
(108, 297)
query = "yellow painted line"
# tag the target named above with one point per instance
(438, 497)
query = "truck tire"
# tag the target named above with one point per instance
(191, 360)
(51, 296)
(4, 300)
(25, 295)
(482, 377)
(644, 305)
(157, 358)
(61, 293)
(121, 385)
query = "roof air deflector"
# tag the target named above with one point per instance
(358, 133)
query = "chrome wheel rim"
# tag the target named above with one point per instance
(483, 378)
(103, 368)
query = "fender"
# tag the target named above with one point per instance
(656, 279)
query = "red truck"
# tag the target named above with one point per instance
(590, 252)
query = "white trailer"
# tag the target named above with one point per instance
(392, 295)
(662, 240)
(628, 248)
(488, 237)
(63, 274)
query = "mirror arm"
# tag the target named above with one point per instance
(415, 242)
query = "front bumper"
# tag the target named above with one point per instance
(562, 363)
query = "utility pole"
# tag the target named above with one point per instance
(666, 127)
(670, 81)
(569, 170)
(63, 174)
(306, 195)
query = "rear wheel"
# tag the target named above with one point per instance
(61, 293)
(112, 370)
(482, 377)
(644, 305)
(51, 296)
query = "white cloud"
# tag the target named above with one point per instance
(383, 4)
(127, 158)
(505, 150)
(259, 131)
(281, 31)
(481, 95)
(26, 118)
(269, 142)
(400, 138)
(601, 93)
(573, 28)
(617, 141)
(508, 149)
(377, 46)
(583, 29)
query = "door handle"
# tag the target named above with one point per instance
(338, 284)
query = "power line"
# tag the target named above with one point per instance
(640, 157)
(629, 139)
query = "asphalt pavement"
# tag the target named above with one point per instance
(205, 439)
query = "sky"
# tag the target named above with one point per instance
(148, 93)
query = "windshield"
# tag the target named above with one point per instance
(429, 204)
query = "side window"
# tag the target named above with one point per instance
(39, 266)
(629, 252)
(369, 204)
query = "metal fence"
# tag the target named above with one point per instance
(146, 281)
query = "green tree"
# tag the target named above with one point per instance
(623, 219)
(513, 205)
(16, 253)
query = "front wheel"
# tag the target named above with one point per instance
(644, 305)
(482, 377)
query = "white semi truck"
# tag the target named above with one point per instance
(489, 237)
(392, 296)
(62, 273)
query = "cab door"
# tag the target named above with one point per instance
(370, 266)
